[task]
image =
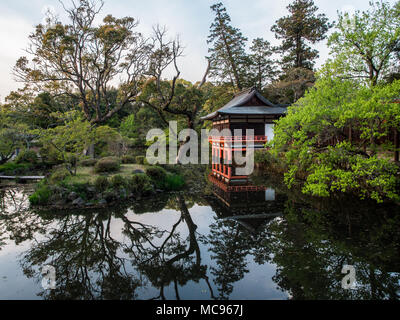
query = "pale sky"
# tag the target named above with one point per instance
(190, 19)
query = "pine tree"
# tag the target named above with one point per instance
(228, 58)
(301, 27)
(262, 67)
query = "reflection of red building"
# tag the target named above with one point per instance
(249, 110)
(250, 206)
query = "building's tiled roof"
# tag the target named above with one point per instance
(237, 106)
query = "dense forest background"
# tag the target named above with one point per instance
(97, 89)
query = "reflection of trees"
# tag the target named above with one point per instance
(310, 249)
(92, 264)
(172, 261)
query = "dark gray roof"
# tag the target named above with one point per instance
(237, 106)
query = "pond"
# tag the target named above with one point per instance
(228, 242)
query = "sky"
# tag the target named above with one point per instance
(190, 19)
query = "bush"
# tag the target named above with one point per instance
(139, 183)
(140, 159)
(107, 165)
(101, 183)
(128, 159)
(118, 181)
(12, 168)
(59, 175)
(88, 162)
(156, 173)
(41, 195)
(27, 156)
(173, 182)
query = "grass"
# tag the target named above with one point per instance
(87, 174)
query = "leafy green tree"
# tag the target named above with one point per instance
(314, 141)
(13, 135)
(301, 27)
(69, 140)
(262, 67)
(83, 60)
(229, 61)
(366, 44)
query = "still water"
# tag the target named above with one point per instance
(223, 243)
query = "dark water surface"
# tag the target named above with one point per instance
(220, 244)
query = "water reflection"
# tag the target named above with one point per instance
(232, 243)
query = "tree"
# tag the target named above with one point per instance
(69, 140)
(177, 98)
(290, 87)
(262, 67)
(318, 150)
(301, 27)
(12, 136)
(365, 45)
(228, 58)
(83, 60)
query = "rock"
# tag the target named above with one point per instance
(78, 202)
(138, 171)
(72, 196)
(91, 189)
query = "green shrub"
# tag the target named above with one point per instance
(173, 182)
(128, 159)
(59, 175)
(118, 181)
(156, 173)
(27, 156)
(140, 159)
(139, 183)
(88, 162)
(109, 164)
(101, 183)
(41, 195)
(12, 168)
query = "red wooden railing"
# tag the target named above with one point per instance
(262, 139)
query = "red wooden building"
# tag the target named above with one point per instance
(248, 110)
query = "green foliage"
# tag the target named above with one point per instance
(139, 184)
(156, 173)
(59, 175)
(365, 45)
(12, 168)
(108, 164)
(27, 156)
(304, 139)
(140, 159)
(128, 159)
(173, 182)
(12, 136)
(118, 181)
(41, 195)
(101, 183)
(301, 27)
(229, 61)
(68, 142)
(88, 162)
